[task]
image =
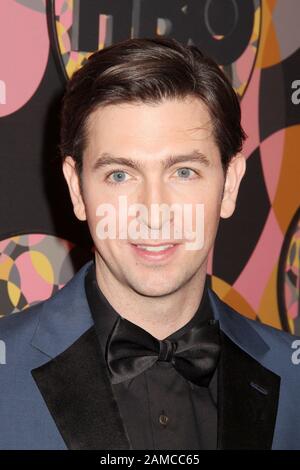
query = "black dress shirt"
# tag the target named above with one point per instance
(160, 409)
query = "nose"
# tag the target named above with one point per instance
(157, 201)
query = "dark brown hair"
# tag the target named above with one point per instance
(149, 70)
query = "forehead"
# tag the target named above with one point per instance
(138, 128)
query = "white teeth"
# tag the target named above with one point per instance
(154, 248)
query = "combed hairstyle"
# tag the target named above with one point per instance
(148, 71)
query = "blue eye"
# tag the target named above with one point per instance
(118, 176)
(185, 172)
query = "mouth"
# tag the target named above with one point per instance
(155, 252)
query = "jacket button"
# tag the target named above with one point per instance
(163, 419)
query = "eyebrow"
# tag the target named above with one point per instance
(106, 159)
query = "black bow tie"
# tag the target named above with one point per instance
(131, 350)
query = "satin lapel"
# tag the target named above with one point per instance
(248, 395)
(79, 396)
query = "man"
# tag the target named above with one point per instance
(136, 351)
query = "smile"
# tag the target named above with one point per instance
(154, 248)
(155, 252)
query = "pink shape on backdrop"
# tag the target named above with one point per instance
(293, 311)
(74, 56)
(32, 286)
(253, 280)
(245, 63)
(59, 6)
(271, 151)
(24, 49)
(66, 42)
(66, 18)
(35, 238)
(250, 110)
(3, 245)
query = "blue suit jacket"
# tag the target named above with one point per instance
(56, 394)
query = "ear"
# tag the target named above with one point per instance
(234, 175)
(72, 178)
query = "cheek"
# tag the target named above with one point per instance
(93, 196)
(212, 212)
(92, 201)
(212, 208)
(91, 210)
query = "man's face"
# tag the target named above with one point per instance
(173, 158)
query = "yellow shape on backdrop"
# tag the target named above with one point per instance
(269, 50)
(6, 263)
(233, 298)
(42, 266)
(14, 293)
(287, 198)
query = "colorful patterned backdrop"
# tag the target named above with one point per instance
(254, 266)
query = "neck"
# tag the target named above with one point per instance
(175, 309)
